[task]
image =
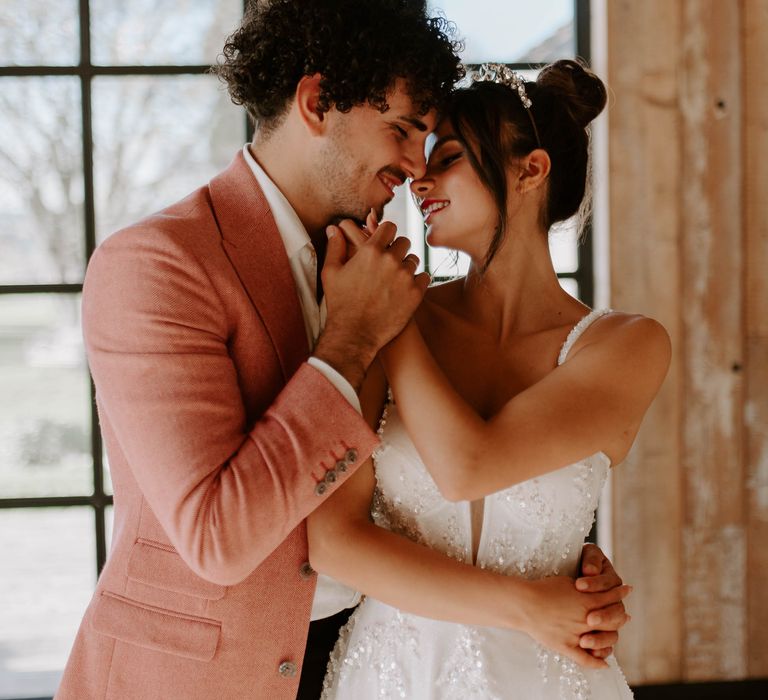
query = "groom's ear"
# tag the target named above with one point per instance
(307, 103)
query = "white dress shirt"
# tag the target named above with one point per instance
(331, 596)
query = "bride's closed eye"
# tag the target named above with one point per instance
(447, 160)
(443, 161)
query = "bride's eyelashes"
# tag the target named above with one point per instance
(443, 161)
(447, 160)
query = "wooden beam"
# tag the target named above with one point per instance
(755, 49)
(644, 225)
(714, 532)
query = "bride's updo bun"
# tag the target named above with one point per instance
(581, 91)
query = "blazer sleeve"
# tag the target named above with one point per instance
(226, 493)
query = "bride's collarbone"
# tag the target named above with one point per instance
(488, 376)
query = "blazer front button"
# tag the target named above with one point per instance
(287, 669)
(321, 488)
(306, 571)
(351, 455)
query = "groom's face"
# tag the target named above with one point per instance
(368, 153)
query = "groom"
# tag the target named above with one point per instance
(226, 389)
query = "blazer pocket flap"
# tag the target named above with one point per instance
(154, 628)
(160, 566)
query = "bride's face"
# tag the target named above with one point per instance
(459, 211)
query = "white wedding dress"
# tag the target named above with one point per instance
(533, 529)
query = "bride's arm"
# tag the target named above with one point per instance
(344, 543)
(593, 402)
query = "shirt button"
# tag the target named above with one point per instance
(287, 669)
(321, 488)
(341, 466)
(351, 455)
(330, 476)
(306, 571)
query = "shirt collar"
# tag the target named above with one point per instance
(289, 226)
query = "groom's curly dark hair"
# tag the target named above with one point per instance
(359, 47)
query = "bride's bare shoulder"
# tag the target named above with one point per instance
(629, 336)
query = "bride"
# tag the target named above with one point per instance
(508, 402)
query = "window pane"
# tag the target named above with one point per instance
(161, 32)
(512, 32)
(563, 246)
(45, 411)
(39, 33)
(571, 286)
(404, 213)
(48, 577)
(155, 140)
(106, 474)
(444, 262)
(41, 181)
(109, 518)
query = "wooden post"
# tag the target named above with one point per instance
(644, 187)
(755, 28)
(688, 235)
(714, 532)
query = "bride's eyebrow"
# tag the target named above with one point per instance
(442, 141)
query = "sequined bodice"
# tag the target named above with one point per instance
(532, 529)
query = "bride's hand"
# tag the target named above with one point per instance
(356, 235)
(598, 574)
(557, 615)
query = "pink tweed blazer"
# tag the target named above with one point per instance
(218, 434)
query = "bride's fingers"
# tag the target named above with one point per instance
(598, 640)
(352, 232)
(584, 658)
(597, 583)
(601, 653)
(610, 618)
(371, 222)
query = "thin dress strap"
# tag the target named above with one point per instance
(577, 330)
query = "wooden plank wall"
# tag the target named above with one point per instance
(687, 215)
(755, 198)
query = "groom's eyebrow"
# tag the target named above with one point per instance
(415, 123)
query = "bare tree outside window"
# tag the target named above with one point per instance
(151, 135)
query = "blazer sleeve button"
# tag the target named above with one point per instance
(330, 476)
(321, 488)
(341, 466)
(351, 455)
(287, 669)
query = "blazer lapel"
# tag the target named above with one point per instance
(252, 243)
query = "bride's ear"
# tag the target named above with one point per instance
(534, 170)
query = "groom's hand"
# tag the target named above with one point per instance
(598, 574)
(370, 295)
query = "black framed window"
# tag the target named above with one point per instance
(107, 113)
